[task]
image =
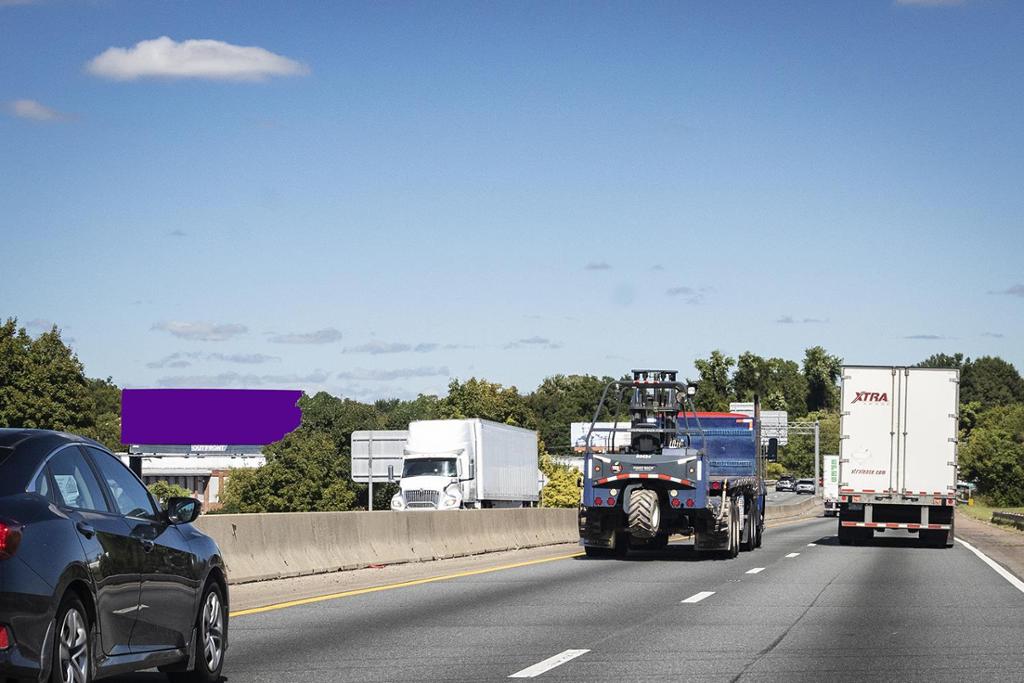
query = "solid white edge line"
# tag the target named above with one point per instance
(792, 555)
(548, 664)
(697, 597)
(999, 569)
(755, 570)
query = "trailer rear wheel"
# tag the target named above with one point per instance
(644, 513)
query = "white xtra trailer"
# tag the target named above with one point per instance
(897, 452)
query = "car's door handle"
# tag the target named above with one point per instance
(147, 545)
(85, 529)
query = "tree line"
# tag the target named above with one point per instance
(44, 385)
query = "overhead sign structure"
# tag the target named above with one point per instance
(774, 423)
(208, 417)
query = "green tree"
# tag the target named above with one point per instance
(397, 414)
(993, 456)
(714, 387)
(780, 383)
(487, 400)
(42, 382)
(105, 417)
(990, 381)
(943, 360)
(562, 489)
(163, 490)
(563, 399)
(822, 372)
(305, 471)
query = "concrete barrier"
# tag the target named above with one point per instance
(258, 547)
(774, 512)
(278, 545)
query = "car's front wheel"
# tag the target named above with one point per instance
(211, 628)
(72, 639)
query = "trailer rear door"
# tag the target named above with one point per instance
(930, 400)
(868, 427)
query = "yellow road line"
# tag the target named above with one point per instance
(390, 586)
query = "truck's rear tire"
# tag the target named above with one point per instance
(750, 527)
(644, 513)
(734, 530)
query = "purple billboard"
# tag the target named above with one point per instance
(208, 416)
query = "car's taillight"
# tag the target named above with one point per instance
(10, 537)
(5, 638)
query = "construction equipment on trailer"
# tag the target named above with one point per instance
(688, 472)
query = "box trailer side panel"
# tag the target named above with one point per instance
(868, 426)
(830, 477)
(929, 424)
(507, 462)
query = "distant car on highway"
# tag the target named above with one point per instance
(96, 579)
(804, 486)
(785, 483)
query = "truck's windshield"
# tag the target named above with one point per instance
(430, 467)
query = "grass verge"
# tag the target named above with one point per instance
(984, 512)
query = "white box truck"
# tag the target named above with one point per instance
(452, 464)
(897, 452)
(830, 484)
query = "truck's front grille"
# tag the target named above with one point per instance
(422, 498)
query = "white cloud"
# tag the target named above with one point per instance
(210, 59)
(390, 375)
(930, 3)
(535, 342)
(324, 336)
(201, 331)
(597, 265)
(36, 111)
(234, 379)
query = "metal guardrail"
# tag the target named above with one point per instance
(1009, 519)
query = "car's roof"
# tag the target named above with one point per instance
(24, 449)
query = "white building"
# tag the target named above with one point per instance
(203, 475)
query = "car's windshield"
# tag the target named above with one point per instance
(427, 467)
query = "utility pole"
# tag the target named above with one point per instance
(817, 455)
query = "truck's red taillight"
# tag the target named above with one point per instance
(10, 537)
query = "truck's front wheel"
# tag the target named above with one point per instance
(644, 513)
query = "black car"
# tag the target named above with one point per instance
(95, 578)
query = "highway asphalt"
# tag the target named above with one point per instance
(801, 608)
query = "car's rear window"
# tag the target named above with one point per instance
(5, 453)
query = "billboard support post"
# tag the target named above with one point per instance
(135, 465)
(369, 457)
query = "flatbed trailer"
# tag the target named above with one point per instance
(685, 472)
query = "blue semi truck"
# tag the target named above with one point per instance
(682, 472)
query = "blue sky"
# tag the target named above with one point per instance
(376, 197)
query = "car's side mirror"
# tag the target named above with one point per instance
(183, 510)
(772, 452)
